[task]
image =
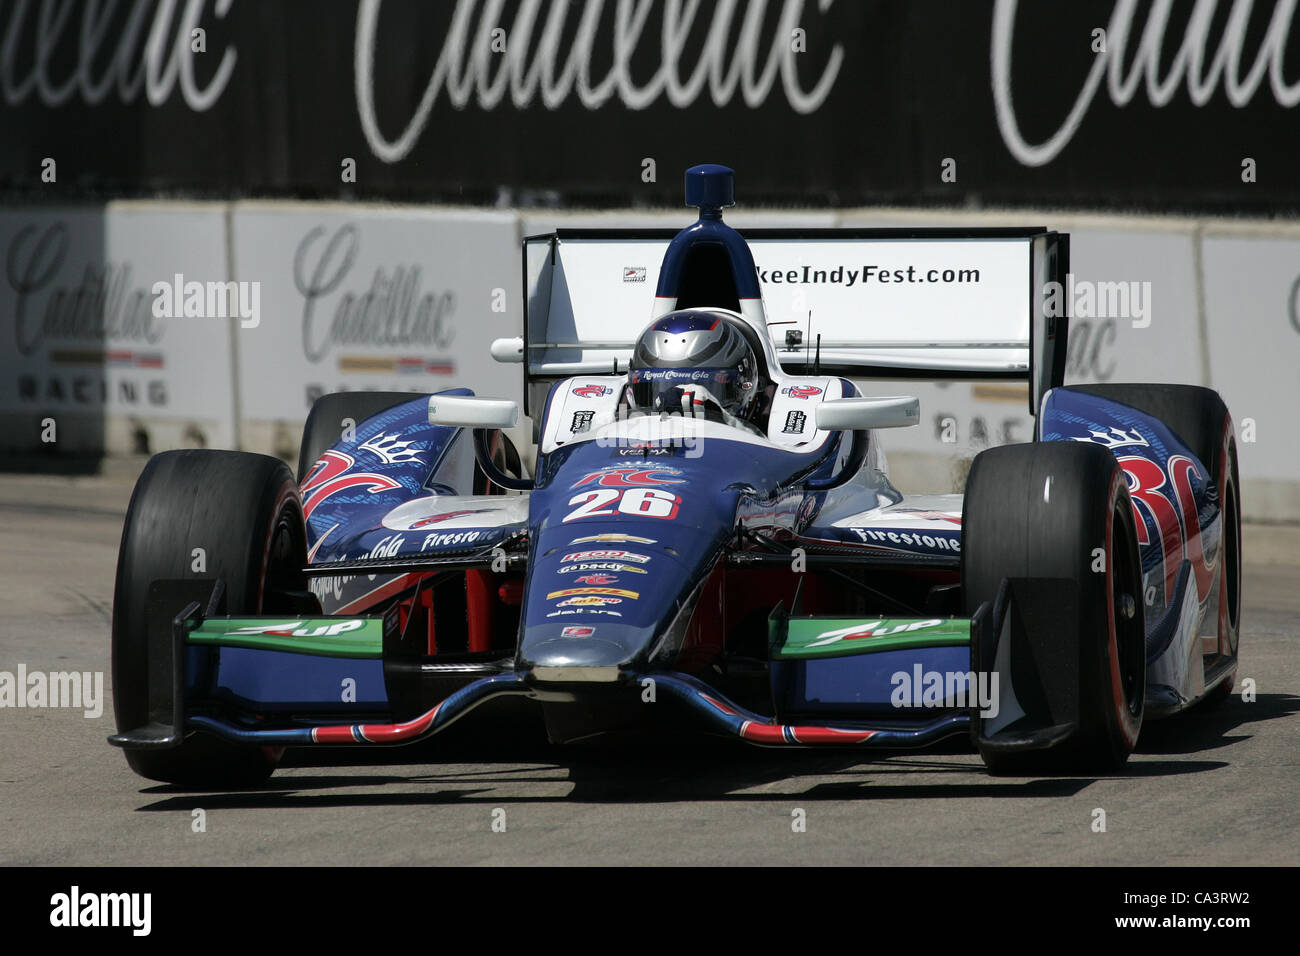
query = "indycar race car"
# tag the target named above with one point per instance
(709, 536)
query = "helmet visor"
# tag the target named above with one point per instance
(664, 389)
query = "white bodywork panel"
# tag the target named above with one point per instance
(939, 304)
(585, 407)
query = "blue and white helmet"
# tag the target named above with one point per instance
(684, 360)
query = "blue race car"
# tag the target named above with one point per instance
(703, 527)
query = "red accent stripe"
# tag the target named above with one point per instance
(763, 733)
(375, 733)
(478, 608)
(379, 593)
(811, 734)
(391, 733)
(721, 706)
(830, 735)
(333, 735)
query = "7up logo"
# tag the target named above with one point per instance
(299, 629)
(867, 629)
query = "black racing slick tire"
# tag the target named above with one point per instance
(1194, 414)
(1201, 419)
(331, 414)
(1043, 510)
(245, 513)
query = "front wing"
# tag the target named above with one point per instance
(328, 680)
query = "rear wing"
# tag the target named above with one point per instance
(932, 303)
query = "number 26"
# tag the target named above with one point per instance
(638, 502)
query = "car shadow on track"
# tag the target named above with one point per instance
(495, 762)
(648, 772)
(1199, 730)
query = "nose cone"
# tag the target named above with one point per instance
(602, 653)
(621, 546)
(577, 652)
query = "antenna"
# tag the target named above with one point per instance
(817, 365)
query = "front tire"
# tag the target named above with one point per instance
(244, 512)
(1062, 510)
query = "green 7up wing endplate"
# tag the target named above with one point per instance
(326, 636)
(901, 668)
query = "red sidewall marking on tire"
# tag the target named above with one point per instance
(1225, 635)
(287, 491)
(1125, 720)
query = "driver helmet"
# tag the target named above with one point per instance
(690, 360)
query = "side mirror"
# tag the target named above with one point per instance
(895, 411)
(470, 411)
(510, 351)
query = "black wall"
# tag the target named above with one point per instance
(914, 84)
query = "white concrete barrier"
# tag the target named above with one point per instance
(389, 297)
(1252, 282)
(83, 346)
(367, 297)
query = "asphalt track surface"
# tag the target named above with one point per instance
(1203, 789)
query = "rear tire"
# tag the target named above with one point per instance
(325, 424)
(502, 453)
(1042, 510)
(1201, 419)
(330, 414)
(244, 511)
(1194, 414)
